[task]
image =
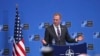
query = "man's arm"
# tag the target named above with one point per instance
(69, 39)
(46, 38)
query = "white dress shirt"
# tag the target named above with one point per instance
(55, 28)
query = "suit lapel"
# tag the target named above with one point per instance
(62, 30)
(53, 31)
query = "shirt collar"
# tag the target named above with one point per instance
(56, 26)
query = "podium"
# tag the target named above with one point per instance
(68, 50)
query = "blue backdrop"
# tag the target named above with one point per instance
(37, 12)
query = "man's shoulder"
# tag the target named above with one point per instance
(63, 26)
(49, 27)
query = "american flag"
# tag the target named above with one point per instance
(18, 43)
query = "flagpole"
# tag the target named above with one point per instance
(18, 44)
(16, 5)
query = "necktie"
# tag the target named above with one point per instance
(58, 32)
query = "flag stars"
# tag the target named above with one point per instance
(16, 41)
(16, 38)
(18, 17)
(20, 28)
(20, 32)
(17, 35)
(17, 31)
(17, 24)
(20, 35)
(17, 28)
(19, 38)
(18, 21)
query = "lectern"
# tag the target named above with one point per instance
(68, 50)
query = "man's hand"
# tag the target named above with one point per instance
(44, 42)
(80, 38)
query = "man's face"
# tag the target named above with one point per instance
(56, 20)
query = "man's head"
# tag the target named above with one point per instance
(56, 19)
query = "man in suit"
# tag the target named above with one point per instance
(57, 34)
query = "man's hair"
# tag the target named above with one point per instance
(57, 14)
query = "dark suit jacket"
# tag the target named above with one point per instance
(50, 35)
